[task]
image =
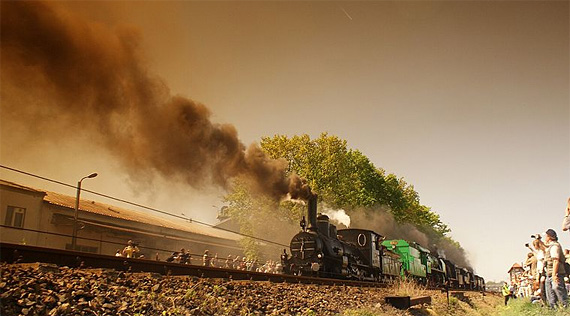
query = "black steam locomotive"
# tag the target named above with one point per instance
(321, 250)
(359, 254)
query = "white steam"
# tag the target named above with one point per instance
(339, 216)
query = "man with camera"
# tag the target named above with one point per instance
(555, 272)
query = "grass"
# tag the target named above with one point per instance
(523, 307)
(474, 304)
(407, 288)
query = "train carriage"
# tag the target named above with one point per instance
(391, 265)
(435, 271)
(450, 274)
(413, 260)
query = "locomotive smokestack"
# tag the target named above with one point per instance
(312, 211)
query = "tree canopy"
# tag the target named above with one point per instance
(344, 178)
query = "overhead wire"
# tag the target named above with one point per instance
(143, 206)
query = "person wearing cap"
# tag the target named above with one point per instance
(554, 258)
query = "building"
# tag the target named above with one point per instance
(43, 218)
(515, 272)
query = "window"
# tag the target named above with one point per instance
(15, 216)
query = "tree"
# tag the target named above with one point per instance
(258, 216)
(342, 177)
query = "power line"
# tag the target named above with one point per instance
(143, 206)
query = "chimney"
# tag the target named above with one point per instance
(312, 210)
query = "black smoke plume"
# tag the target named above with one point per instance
(61, 74)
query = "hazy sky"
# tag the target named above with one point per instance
(468, 101)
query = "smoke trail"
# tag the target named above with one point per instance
(382, 221)
(61, 74)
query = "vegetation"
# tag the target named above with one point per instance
(523, 307)
(344, 178)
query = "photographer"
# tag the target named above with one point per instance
(539, 250)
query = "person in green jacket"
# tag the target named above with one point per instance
(506, 292)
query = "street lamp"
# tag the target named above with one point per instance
(74, 238)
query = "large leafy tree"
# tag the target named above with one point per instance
(344, 178)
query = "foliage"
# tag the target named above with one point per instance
(344, 178)
(253, 212)
(523, 307)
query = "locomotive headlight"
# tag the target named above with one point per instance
(315, 266)
(320, 255)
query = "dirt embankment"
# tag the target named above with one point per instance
(38, 289)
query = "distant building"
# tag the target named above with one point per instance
(515, 272)
(42, 218)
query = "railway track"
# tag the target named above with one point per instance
(12, 253)
(16, 253)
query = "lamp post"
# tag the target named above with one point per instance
(74, 238)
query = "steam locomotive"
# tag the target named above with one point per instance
(359, 254)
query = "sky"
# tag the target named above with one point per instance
(468, 101)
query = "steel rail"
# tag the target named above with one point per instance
(17, 253)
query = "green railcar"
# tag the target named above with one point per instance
(413, 257)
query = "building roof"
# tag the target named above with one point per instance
(19, 186)
(103, 209)
(515, 266)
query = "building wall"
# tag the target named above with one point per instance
(100, 234)
(31, 203)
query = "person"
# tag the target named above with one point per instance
(566, 220)
(506, 292)
(530, 263)
(173, 257)
(512, 289)
(215, 263)
(206, 259)
(119, 253)
(131, 250)
(536, 297)
(554, 285)
(228, 264)
(183, 256)
(285, 261)
(539, 250)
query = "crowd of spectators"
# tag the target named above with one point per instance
(545, 278)
(184, 257)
